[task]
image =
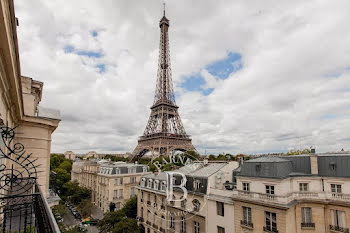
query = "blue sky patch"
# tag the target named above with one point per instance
(101, 68)
(71, 49)
(328, 117)
(224, 67)
(94, 33)
(196, 82)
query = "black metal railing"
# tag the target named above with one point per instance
(247, 224)
(270, 230)
(27, 213)
(308, 224)
(338, 228)
(23, 208)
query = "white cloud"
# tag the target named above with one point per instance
(277, 101)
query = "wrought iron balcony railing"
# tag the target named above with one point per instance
(338, 228)
(247, 224)
(308, 225)
(270, 230)
(23, 208)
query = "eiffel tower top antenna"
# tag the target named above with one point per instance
(164, 9)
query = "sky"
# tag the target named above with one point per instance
(249, 76)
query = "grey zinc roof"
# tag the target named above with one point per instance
(159, 176)
(207, 170)
(267, 159)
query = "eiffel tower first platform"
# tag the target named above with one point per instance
(164, 132)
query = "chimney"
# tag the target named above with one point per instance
(313, 162)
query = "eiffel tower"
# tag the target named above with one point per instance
(164, 132)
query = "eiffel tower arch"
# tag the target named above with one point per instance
(164, 132)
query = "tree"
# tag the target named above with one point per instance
(109, 220)
(128, 225)
(62, 177)
(59, 209)
(85, 207)
(130, 208)
(66, 165)
(56, 160)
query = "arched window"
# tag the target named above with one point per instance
(150, 183)
(141, 212)
(156, 184)
(143, 182)
(163, 186)
(196, 184)
(196, 205)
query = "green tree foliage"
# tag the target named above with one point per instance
(74, 193)
(130, 208)
(56, 160)
(85, 207)
(123, 220)
(59, 209)
(109, 220)
(66, 165)
(62, 177)
(128, 225)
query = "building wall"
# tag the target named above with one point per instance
(19, 99)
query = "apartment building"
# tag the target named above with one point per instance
(20, 99)
(207, 207)
(293, 194)
(111, 183)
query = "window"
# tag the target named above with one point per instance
(246, 187)
(132, 179)
(132, 170)
(156, 184)
(121, 193)
(270, 189)
(221, 230)
(163, 201)
(115, 193)
(155, 198)
(150, 183)
(306, 216)
(247, 215)
(163, 222)
(172, 221)
(234, 183)
(132, 192)
(336, 188)
(270, 221)
(304, 187)
(143, 182)
(196, 184)
(141, 196)
(163, 186)
(333, 166)
(149, 215)
(141, 212)
(183, 225)
(220, 208)
(115, 181)
(121, 180)
(117, 171)
(338, 218)
(117, 206)
(144, 169)
(196, 227)
(196, 205)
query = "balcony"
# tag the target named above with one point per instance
(307, 225)
(334, 228)
(247, 224)
(27, 212)
(269, 230)
(285, 199)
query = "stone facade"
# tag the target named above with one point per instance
(111, 183)
(69, 155)
(20, 97)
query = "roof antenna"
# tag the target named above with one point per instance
(164, 9)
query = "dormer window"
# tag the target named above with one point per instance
(132, 170)
(332, 166)
(196, 184)
(258, 167)
(156, 184)
(150, 183)
(143, 182)
(144, 169)
(117, 171)
(163, 186)
(196, 205)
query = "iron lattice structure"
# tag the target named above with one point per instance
(164, 132)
